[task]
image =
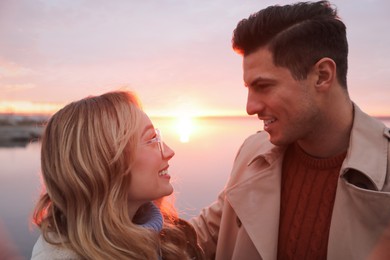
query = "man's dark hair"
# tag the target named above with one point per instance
(298, 35)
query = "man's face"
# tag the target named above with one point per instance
(288, 107)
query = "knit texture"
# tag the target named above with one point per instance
(307, 197)
(154, 220)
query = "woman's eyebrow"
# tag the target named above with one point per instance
(147, 128)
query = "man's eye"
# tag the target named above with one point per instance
(261, 87)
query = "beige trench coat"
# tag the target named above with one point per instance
(243, 223)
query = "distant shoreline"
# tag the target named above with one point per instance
(19, 135)
(19, 130)
(45, 117)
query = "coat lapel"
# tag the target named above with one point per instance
(367, 151)
(256, 201)
(360, 225)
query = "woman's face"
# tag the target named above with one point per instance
(149, 174)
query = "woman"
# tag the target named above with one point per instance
(105, 169)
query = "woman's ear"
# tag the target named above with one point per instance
(325, 69)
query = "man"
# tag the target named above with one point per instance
(315, 183)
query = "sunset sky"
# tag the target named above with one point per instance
(176, 54)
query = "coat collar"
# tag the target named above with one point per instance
(261, 160)
(248, 202)
(367, 152)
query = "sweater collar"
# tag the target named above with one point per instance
(153, 217)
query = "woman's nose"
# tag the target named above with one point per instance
(168, 152)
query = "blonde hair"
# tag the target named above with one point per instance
(88, 148)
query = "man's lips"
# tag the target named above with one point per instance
(267, 121)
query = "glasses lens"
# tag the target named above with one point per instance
(160, 143)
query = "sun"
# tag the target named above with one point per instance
(184, 128)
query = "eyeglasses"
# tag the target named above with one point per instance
(158, 140)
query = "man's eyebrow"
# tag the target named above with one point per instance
(259, 80)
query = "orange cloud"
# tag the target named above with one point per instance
(27, 107)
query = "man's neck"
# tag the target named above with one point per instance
(332, 136)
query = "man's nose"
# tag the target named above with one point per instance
(254, 103)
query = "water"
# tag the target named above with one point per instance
(205, 150)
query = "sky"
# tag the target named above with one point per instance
(175, 54)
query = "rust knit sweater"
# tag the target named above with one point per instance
(307, 198)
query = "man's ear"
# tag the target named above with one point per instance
(325, 70)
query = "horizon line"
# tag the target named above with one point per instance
(159, 116)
